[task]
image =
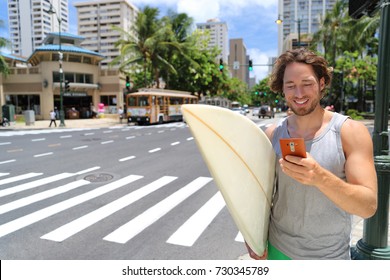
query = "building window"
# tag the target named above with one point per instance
(73, 78)
(25, 102)
(108, 100)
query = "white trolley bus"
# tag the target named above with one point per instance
(150, 106)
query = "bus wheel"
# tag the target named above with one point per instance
(160, 120)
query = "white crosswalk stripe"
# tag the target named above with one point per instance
(190, 231)
(138, 224)
(85, 221)
(39, 215)
(186, 234)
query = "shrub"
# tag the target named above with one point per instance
(354, 114)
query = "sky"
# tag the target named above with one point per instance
(251, 20)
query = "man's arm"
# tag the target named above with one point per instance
(358, 195)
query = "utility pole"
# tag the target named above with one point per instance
(374, 244)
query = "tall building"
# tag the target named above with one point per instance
(300, 18)
(30, 22)
(238, 56)
(95, 20)
(218, 34)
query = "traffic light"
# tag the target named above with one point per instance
(359, 8)
(128, 84)
(67, 87)
(221, 65)
(250, 65)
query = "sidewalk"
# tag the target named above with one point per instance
(73, 123)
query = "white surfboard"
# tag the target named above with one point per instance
(241, 160)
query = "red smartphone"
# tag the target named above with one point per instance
(293, 147)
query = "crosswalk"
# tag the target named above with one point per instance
(40, 188)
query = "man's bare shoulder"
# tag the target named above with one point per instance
(270, 131)
(353, 127)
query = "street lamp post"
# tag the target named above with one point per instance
(374, 244)
(60, 60)
(280, 21)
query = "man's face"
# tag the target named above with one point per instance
(301, 88)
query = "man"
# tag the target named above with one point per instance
(52, 118)
(315, 197)
(120, 113)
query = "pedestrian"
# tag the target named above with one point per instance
(120, 113)
(315, 197)
(52, 118)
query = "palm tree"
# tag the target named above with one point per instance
(146, 44)
(3, 64)
(332, 31)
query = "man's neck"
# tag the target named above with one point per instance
(308, 126)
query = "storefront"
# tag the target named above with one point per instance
(35, 83)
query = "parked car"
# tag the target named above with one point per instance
(239, 111)
(255, 111)
(245, 107)
(266, 111)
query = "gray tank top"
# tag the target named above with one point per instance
(305, 224)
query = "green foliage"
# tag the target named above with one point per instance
(354, 114)
(351, 48)
(166, 49)
(265, 94)
(3, 43)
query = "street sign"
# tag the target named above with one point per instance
(236, 65)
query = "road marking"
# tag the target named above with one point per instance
(43, 155)
(38, 139)
(130, 137)
(161, 131)
(54, 145)
(7, 161)
(41, 196)
(66, 136)
(19, 178)
(175, 143)
(80, 147)
(5, 143)
(15, 150)
(34, 184)
(107, 131)
(127, 158)
(3, 174)
(89, 133)
(107, 142)
(239, 237)
(190, 231)
(88, 170)
(93, 217)
(190, 138)
(154, 150)
(44, 213)
(142, 221)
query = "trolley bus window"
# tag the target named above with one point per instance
(143, 101)
(132, 101)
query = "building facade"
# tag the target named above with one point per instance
(217, 33)
(30, 22)
(300, 18)
(35, 83)
(238, 56)
(95, 20)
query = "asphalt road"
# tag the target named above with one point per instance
(111, 193)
